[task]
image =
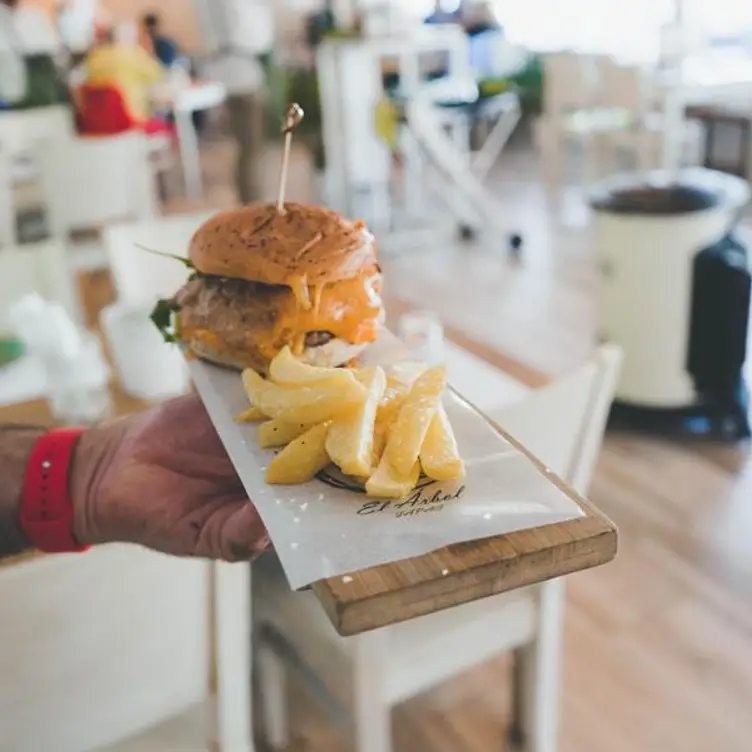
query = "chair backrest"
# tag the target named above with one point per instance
(22, 130)
(102, 111)
(140, 277)
(570, 82)
(562, 424)
(90, 182)
(624, 86)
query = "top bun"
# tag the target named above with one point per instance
(258, 244)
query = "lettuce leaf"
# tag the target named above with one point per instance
(162, 317)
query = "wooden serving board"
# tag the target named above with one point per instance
(457, 574)
(465, 572)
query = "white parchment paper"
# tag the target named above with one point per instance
(328, 527)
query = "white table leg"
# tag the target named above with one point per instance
(230, 697)
(537, 675)
(189, 153)
(373, 726)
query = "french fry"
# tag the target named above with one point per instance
(439, 456)
(380, 433)
(277, 433)
(250, 415)
(387, 483)
(405, 373)
(287, 370)
(381, 427)
(301, 459)
(349, 442)
(413, 420)
(311, 403)
(390, 404)
(389, 407)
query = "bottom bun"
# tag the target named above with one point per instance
(334, 353)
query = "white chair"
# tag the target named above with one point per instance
(563, 425)
(21, 131)
(648, 136)
(31, 268)
(140, 277)
(570, 115)
(92, 182)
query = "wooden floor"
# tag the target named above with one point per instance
(658, 643)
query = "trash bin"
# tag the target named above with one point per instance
(675, 294)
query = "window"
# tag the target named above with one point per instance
(623, 27)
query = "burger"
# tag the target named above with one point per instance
(262, 279)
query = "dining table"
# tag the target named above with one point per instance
(700, 81)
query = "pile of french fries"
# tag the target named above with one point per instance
(382, 427)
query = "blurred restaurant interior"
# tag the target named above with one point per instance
(531, 172)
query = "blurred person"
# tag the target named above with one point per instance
(118, 61)
(160, 479)
(165, 48)
(13, 81)
(446, 11)
(36, 31)
(28, 31)
(479, 18)
(76, 24)
(241, 34)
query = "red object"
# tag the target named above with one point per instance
(46, 504)
(156, 127)
(102, 112)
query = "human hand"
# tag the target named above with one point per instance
(162, 479)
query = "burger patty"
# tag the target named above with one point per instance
(316, 339)
(235, 308)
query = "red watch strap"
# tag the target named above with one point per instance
(46, 505)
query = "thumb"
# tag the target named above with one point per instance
(241, 535)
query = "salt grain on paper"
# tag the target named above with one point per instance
(487, 516)
(293, 545)
(296, 519)
(304, 506)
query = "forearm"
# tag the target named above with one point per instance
(16, 443)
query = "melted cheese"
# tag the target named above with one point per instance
(318, 291)
(299, 287)
(349, 309)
